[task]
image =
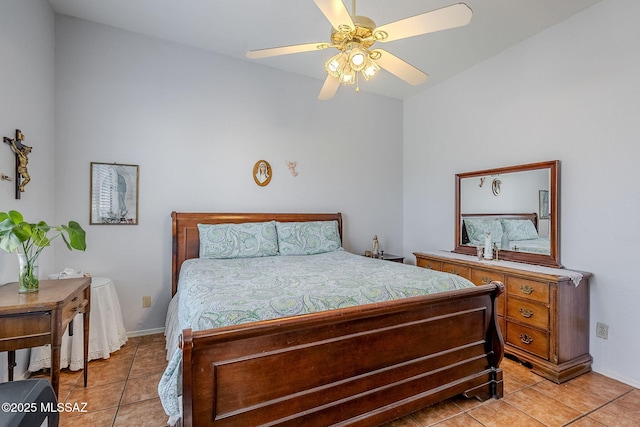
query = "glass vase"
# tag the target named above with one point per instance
(27, 274)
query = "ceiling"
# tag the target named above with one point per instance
(233, 27)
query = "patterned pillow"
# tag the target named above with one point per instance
(247, 240)
(308, 238)
(519, 229)
(477, 228)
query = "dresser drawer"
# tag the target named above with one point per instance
(483, 277)
(524, 288)
(430, 264)
(528, 339)
(502, 324)
(457, 269)
(480, 276)
(527, 312)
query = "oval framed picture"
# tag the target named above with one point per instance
(262, 173)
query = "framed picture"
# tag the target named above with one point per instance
(543, 202)
(262, 173)
(114, 194)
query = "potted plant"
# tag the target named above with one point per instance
(29, 239)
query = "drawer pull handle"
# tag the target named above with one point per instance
(526, 289)
(74, 309)
(456, 272)
(75, 299)
(526, 313)
(526, 339)
(485, 280)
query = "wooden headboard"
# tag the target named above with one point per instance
(533, 217)
(186, 240)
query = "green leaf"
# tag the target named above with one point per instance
(16, 217)
(9, 242)
(39, 236)
(6, 225)
(22, 231)
(77, 236)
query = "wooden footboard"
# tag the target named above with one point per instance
(356, 366)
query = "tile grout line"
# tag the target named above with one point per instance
(586, 414)
(126, 381)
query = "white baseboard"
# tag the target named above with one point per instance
(616, 376)
(144, 332)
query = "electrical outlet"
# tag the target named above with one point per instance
(602, 330)
(146, 301)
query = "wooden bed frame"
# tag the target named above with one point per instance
(359, 366)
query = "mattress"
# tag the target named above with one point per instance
(222, 292)
(540, 245)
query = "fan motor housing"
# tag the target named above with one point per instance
(362, 34)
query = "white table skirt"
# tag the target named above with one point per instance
(106, 332)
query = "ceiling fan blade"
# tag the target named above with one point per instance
(286, 50)
(336, 13)
(452, 16)
(399, 68)
(329, 88)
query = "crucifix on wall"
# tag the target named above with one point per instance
(22, 152)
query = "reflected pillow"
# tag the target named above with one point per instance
(519, 229)
(308, 238)
(247, 240)
(477, 228)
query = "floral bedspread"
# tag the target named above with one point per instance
(222, 292)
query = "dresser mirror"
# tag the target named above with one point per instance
(516, 208)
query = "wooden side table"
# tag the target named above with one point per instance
(39, 318)
(392, 258)
(387, 257)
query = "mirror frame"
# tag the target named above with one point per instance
(551, 260)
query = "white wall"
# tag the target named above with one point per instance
(196, 123)
(27, 94)
(570, 93)
(518, 192)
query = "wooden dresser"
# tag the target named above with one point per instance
(543, 316)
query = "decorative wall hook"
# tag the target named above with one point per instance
(22, 152)
(292, 167)
(495, 186)
(4, 177)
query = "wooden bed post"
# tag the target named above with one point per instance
(497, 342)
(186, 344)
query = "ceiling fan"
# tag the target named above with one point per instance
(355, 35)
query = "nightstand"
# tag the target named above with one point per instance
(391, 257)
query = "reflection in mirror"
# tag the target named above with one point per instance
(517, 207)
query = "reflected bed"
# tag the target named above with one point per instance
(520, 230)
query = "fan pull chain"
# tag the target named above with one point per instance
(357, 85)
(353, 7)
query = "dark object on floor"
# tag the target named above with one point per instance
(28, 403)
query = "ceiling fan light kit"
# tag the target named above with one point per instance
(350, 61)
(354, 35)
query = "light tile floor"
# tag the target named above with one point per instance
(122, 391)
